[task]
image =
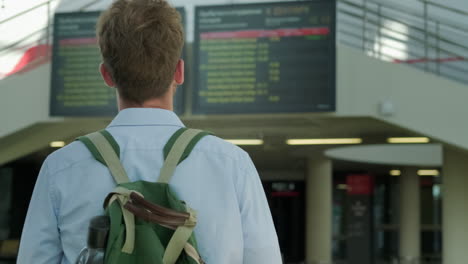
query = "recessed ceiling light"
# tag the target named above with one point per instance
(420, 172)
(342, 187)
(408, 140)
(57, 144)
(245, 142)
(428, 172)
(324, 141)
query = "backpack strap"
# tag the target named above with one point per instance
(106, 150)
(191, 145)
(178, 149)
(179, 239)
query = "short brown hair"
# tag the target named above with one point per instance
(141, 42)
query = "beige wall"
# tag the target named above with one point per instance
(24, 99)
(424, 103)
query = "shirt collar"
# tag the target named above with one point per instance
(146, 117)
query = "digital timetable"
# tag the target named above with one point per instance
(265, 58)
(77, 88)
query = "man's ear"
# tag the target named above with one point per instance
(106, 75)
(179, 73)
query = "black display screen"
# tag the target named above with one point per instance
(77, 88)
(265, 58)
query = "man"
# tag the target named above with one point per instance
(141, 43)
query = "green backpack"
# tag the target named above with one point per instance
(148, 223)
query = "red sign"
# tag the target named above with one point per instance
(78, 41)
(320, 31)
(360, 184)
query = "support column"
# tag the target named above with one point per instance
(410, 217)
(455, 207)
(319, 211)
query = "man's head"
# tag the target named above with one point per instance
(141, 43)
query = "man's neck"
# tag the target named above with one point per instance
(165, 102)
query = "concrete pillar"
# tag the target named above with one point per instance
(319, 211)
(455, 207)
(410, 217)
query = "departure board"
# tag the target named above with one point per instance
(265, 58)
(77, 88)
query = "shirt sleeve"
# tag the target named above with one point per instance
(40, 240)
(260, 239)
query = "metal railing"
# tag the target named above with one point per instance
(39, 35)
(36, 36)
(21, 13)
(401, 34)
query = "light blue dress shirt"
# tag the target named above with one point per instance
(218, 180)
